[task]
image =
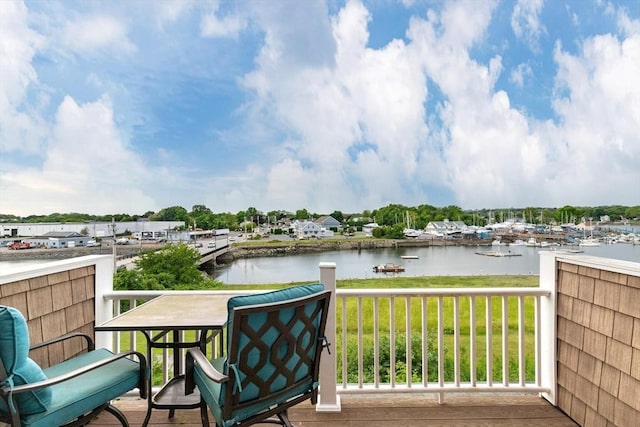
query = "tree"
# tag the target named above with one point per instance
(172, 267)
(173, 213)
(302, 214)
(337, 215)
(632, 212)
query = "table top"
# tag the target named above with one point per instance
(172, 312)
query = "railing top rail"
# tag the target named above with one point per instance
(400, 292)
(153, 294)
(444, 292)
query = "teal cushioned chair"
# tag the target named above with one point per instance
(274, 342)
(70, 393)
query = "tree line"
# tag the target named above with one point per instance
(202, 217)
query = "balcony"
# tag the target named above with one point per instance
(494, 356)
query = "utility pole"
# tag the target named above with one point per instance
(113, 243)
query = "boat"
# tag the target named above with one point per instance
(497, 242)
(590, 241)
(497, 253)
(518, 242)
(388, 268)
(409, 256)
(410, 232)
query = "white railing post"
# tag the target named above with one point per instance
(329, 401)
(103, 306)
(548, 323)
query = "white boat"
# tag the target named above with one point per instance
(589, 242)
(410, 232)
(497, 242)
(518, 242)
(532, 242)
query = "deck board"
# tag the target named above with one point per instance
(378, 411)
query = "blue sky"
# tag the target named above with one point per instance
(133, 106)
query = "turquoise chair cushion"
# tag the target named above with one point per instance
(213, 393)
(14, 351)
(88, 391)
(267, 298)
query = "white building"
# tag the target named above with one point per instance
(92, 229)
(367, 229)
(309, 229)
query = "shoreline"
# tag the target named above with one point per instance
(253, 249)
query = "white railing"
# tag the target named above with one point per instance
(493, 333)
(442, 352)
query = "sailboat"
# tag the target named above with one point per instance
(411, 232)
(590, 241)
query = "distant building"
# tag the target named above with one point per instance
(92, 229)
(367, 229)
(309, 229)
(446, 228)
(59, 239)
(328, 222)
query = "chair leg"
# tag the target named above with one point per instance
(118, 414)
(204, 414)
(284, 419)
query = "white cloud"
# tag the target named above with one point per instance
(496, 156)
(21, 129)
(358, 120)
(520, 73)
(213, 25)
(90, 35)
(86, 168)
(627, 25)
(525, 22)
(169, 11)
(598, 144)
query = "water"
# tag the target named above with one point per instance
(432, 261)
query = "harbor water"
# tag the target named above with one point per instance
(430, 261)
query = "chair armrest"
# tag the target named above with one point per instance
(87, 338)
(88, 368)
(196, 357)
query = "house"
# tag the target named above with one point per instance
(309, 229)
(328, 222)
(437, 228)
(306, 229)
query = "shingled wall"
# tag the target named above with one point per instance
(54, 304)
(598, 345)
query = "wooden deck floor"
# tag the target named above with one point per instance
(376, 411)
